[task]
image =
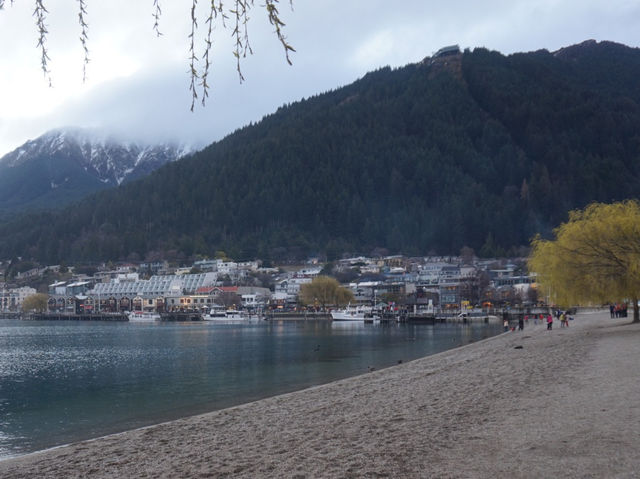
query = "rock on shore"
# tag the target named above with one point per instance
(535, 403)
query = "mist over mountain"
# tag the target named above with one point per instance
(469, 148)
(67, 164)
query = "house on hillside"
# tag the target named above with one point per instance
(447, 51)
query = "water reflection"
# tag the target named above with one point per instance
(67, 381)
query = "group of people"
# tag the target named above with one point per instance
(542, 318)
(562, 316)
(618, 310)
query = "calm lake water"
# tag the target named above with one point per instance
(62, 382)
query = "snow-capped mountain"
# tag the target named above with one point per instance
(66, 164)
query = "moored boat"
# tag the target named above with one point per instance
(225, 315)
(354, 313)
(143, 316)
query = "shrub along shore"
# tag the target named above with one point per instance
(532, 403)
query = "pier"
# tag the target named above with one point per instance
(75, 317)
(296, 315)
(181, 316)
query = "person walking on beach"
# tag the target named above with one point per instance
(549, 322)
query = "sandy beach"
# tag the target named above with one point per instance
(535, 403)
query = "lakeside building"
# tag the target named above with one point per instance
(128, 291)
(446, 282)
(12, 299)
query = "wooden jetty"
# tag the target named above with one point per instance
(295, 315)
(181, 316)
(75, 317)
(413, 318)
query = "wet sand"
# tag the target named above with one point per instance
(530, 404)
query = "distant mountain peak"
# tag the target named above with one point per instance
(113, 161)
(73, 156)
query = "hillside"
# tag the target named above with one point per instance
(479, 149)
(67, 164)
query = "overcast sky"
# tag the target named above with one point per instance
(137, 83)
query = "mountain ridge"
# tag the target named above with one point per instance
(412, 159)
(65, 164)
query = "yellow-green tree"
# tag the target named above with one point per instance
(595, 256)
(35, 302)
(325, 291)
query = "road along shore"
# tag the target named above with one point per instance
(530, 404)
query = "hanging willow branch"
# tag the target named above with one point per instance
(193, 59)
(40, 13)
(157, 11)
(82, 14)
(239, 11)
(214, 12)
(274, 19)
(241, 34)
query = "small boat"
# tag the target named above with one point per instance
(143, 316)
(354, 313)
(225, 315)
(235, 314)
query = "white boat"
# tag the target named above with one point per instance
(214, 316)
(354, 313)
(222, 315)
(143, 316)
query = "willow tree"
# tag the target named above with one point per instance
(595, 256)
(325, 291)
(35, 302)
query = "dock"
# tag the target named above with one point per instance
(296, 315)
(181, 316)
(75, 317)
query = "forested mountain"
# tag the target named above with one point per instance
(66, 164)
(476, 149)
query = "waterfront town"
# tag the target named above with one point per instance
(450, 284)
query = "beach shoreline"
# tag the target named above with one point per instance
(533, 403)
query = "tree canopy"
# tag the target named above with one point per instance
(35, 302)
(595, 256)
(325, 291)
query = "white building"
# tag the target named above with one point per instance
(12, 299)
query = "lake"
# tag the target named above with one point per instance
(65, 381)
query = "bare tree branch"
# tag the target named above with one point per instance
(83, 37)
(240, 12)
(157, 12)
(40, 13)
(274, 19)
(192, 57)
